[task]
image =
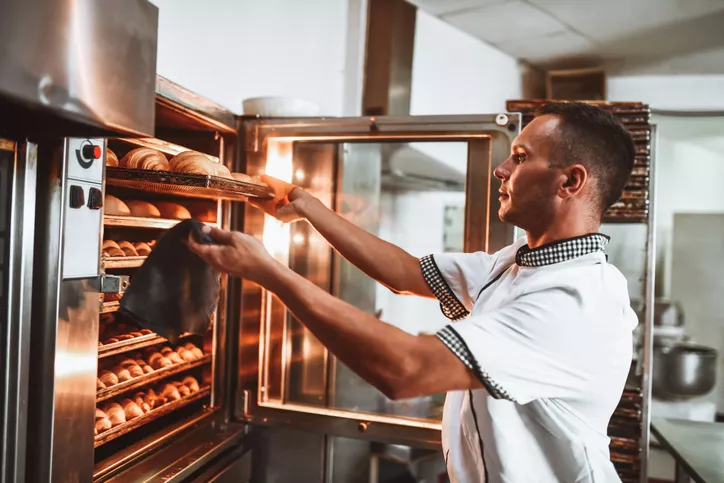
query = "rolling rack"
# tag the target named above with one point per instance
(629, 428)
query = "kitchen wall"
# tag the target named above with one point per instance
(229, 50)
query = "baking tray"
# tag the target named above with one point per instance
(123, 262)
(152, 415)
(184, 184)
(155, 376)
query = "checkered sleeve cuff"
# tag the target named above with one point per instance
(457, 345)
(451, 307)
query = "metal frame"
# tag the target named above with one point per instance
(647, 347)
(265, 400)
(17, 326)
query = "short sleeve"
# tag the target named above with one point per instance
(539, 345)
(456, 279)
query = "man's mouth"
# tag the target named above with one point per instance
(503, 195)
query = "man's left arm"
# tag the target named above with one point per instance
(399, 364)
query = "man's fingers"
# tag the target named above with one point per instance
(221, 237)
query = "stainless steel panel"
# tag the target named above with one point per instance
(88, 60)
(64, 344)
(18, 182)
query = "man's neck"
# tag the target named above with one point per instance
(562, 231)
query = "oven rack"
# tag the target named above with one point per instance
(152, 415)
(110, 307)
(157, 375)
(130, 345)
(185, 184)
(123, 262)
(139, 222)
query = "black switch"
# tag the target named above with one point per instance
(95, 199)
(77, 197)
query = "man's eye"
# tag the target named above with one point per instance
(519, 157)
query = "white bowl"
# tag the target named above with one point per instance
(279, 107)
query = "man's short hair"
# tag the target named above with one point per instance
(593, 137)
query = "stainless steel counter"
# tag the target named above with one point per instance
(697, 448)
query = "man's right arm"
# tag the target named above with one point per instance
(389, 264)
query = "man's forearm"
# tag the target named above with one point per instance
(387, 263)
(383, 355)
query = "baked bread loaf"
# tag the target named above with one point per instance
(108, 378)
(194, 350)
(145, 158)
(114, 206)
(191, 383)
(170, 392)
(142, 249)
(111, 158)
(241, 177)
(185, 354)
(193, 162)
(115, 413)
(131, 409)
(143, 209)
(158, 361)
(207, 216)
(99, 385)
(172, 211)
(142, 364)
(112, 249)
(128, 248)
(183, 390)
(102, 422)
(122, 373)
(168, 353)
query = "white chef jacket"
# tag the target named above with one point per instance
(548, 331)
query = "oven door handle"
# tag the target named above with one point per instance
(116, 284)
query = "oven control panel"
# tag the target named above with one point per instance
(83, 214)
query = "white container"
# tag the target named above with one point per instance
(279, 107)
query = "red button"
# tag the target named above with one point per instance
(91, 152)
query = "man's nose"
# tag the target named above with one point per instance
(502, 172)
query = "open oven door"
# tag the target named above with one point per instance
(423, 183)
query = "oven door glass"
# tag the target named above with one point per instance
(422, 183)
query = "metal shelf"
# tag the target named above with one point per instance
(157, 375)
(139, 222)
(123, 262)
(152, 415)
(131, 345)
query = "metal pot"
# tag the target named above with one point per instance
(682, 370)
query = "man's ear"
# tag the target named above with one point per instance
(575, 178)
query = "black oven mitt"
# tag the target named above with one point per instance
(174, 291)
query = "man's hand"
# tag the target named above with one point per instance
(235, 253)
(288, 201)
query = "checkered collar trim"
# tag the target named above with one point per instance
(560, 251)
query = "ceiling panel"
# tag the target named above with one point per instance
(547, 48)
(502, 22)
(438, 7)
(609, 20)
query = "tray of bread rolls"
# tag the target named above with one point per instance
(128, 372)
(118, 417)
(188, 173)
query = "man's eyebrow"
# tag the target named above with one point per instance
(520, 146)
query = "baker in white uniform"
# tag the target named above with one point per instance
(537, 355)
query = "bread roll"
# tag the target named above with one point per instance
(193, 162)
(150, 398)
(157, 361)
(145, 407)
(170, 392)
(191, 383)
(108, 378)
(115, 413)
(207, 216)
(183, 390)
(185, 354)
(122, 373)
(111, 158)
(133, 369)
(142, 364)
(131, 409)
(194, 350)
(112, 248)
(146, 331)
(145, 158)
(172, 211)
(168, 353)
(142, 249)
(114, 206)
(99, 385)
(241, 177)
(143, 209)
(128, 248)
(103, 425)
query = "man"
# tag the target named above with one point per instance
(537, 366)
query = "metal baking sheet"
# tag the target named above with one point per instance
(152, 415)
(184, 184)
